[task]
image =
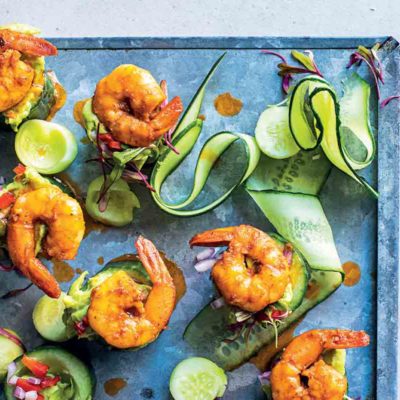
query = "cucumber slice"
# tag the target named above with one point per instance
(48, 147)
(9, 351)
(121, 203)
(79, 380)
(273, 133)
(48, 319)
(197, 378)
(300, 274)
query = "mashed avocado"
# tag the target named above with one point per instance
(15, 115)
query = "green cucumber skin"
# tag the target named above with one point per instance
(300, 288)
(61, 362)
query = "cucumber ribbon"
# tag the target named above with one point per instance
(316, 119)
(185, 137)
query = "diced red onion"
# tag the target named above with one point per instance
(264, 378)
(205, 265)
(206, 254)
(12, 337)
(219, 303)
(32, 395)
(13, 380)
(11, 369)
(19, 393)
(288, 253)
(34, 380)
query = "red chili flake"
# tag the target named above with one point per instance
(19, 169)
(38, 368)
(114, 145)
(6, 199)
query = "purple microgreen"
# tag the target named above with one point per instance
(143, 178)
(286, 79)
(386, 101)
(287, 71)
(15, 292)
(371, 58)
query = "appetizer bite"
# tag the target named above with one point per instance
(37, 215)
(127, 304)
(129, 120)
(27, 91)
(253, 272)
(49, 373)
(313, 366)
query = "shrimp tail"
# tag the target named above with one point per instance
(214, 237)
(167, 117)
(26, 44)
(152, 261)
(33, 269)
(346, 339)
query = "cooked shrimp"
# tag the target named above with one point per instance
(25, 43)
(253, 272)
(16, 78)
(16, 75)
(302, 358)
(64, 219)
(125, 314)
(127, 102)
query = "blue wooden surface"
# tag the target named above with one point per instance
(252, 77)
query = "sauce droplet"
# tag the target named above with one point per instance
(100, 260)
(113, 386)
(78, 112)
(60, 95)
(352, 273)
(79, 271)
(227, 105)
(202, 117)
(62, 271)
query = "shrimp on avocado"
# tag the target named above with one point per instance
(123, 313)
(253, 272)
(65, 228)
(302, 361)
(16, 71)
(128, 102)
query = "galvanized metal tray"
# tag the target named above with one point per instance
(365, 231)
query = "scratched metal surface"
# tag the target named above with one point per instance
(251, 77)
